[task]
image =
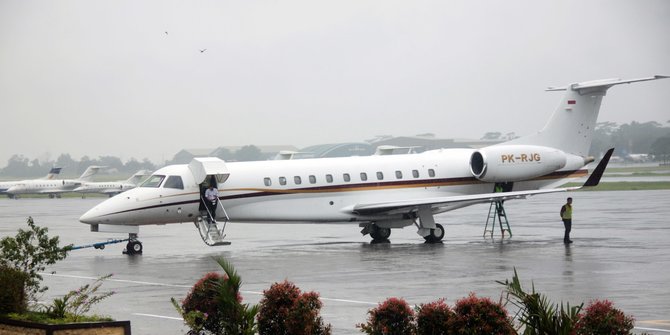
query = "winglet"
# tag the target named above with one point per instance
(594, 178)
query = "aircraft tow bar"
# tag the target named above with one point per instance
(99, 245)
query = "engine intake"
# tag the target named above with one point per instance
(508, 163)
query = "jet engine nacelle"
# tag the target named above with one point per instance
(507, 163)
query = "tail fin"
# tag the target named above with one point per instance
(138, 176)
(90, 171)
(53, 173)
(570, 128)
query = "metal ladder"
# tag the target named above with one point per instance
(497, 210)
(209, 229)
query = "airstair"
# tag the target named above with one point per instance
(496, 210)
(211, 231)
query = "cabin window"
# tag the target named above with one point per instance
(346, 177)
(398, 174)
(282, 180)
(415, 173)
(297, 180)
(153, 181)
(364, 176)
(431, 173)
(380, 175)
(312, 179)
(267, 181)
(329, 178)
(174, 182)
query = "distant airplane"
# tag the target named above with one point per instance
(379, 192)
(202, 50)
(53, 187)
(112, 188)
(5, 185)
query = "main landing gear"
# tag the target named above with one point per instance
(379, 234)
(134, 246)
(381, 231)
(435, 235)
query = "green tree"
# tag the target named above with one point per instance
(539, 315)
(661, 149)
(30, 251)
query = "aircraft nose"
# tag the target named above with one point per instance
(88, 217)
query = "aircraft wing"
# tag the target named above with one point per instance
(470, 199)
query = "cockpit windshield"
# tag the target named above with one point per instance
(153, 181)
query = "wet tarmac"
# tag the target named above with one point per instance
(621, 252)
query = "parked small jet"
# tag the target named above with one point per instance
(112, 188)
(5, 185)
(53, 187)
(379, 192)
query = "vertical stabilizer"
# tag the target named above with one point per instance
(53, 173)
(90, 171)
(570, 128)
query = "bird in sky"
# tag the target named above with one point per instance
(202, 50)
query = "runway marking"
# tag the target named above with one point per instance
(189, 286)
(653, 329)
(159, 316)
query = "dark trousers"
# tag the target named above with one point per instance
(211, 206)
(568, 227)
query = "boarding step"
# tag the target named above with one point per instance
(210, 232)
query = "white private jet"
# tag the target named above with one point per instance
(53, 187)
(6, 185)
(379, 192)
(112, 188)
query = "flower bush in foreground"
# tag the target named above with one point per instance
(434, 318)
(285, 310)
(601, 317)
(476, 315)
(214, 305)
(391, 317)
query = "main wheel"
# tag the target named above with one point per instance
(379, 234)
(134, 247)
(436, 234)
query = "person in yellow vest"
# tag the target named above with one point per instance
(566, 216)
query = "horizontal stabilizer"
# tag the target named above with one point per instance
(603, 84)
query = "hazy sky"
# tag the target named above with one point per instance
(104, 78)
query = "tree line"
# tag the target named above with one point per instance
(634, 138)
(650, 138)
(21, 166)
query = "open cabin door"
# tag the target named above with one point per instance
(203, 169)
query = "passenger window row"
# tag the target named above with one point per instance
(346, 177)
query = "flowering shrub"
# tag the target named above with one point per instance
(481, 316)
(393, 316)
(214, 305)
(434, 318)
(285, 310)
(601, 317)
(201, 302)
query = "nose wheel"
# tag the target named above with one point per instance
(134, 246)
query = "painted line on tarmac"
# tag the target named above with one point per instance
(653, 329)
(159, 316)
(189, 286)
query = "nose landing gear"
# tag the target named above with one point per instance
(134, 246)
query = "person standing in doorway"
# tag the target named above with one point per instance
(212, 198)
(566, 216)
